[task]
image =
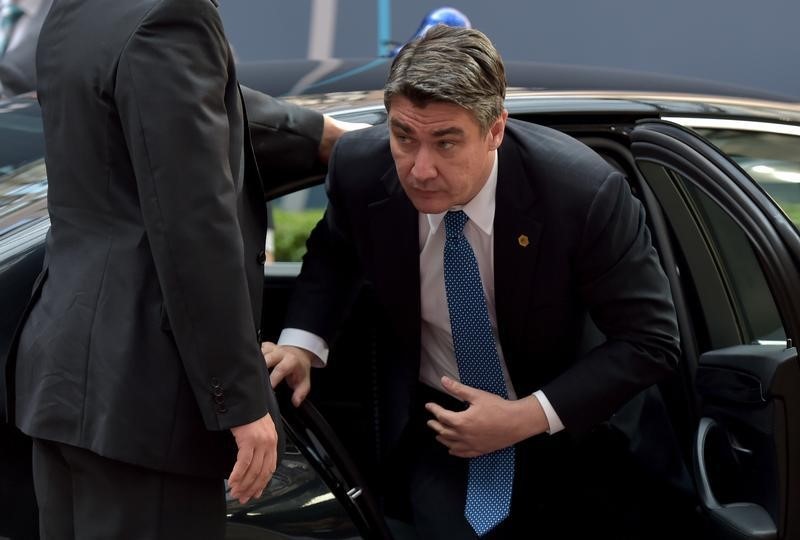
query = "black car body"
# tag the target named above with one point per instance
(718, 170)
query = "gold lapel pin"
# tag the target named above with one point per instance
(523, 240)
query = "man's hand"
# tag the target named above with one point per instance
(292, 364)
(256, 459)
(332, 129)
(489, 423)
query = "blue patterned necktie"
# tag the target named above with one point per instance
(491, 476)
(9, 15)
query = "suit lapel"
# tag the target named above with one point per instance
(516, 247)
(394, 231)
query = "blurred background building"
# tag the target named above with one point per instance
(738, 41)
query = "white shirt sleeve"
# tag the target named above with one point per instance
(308, 341)
(552, 418)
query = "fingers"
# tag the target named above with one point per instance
(444, 416)
(253, 480)
(243, 460)
(292, 365)
(462, 452)
(301, 391)
(459, 390)
(267, 347)
(256, 459)
(272, 354)
(442, 431)
(279, 370)
(456, 446)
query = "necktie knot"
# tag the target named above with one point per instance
(454, 223)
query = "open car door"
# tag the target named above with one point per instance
(733, 259)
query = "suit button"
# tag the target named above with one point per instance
(219, 399)
(261, 258)
(221, 409)
(217, 391)
(215, 382)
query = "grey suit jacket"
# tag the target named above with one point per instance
(18, 64)
(142, 340)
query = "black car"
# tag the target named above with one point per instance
(713, 452)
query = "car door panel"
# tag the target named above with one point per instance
(740, 257)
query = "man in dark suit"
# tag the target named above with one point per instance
(486, 241)
(137, 370)
(20, 24)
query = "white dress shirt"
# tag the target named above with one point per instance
(437, 355)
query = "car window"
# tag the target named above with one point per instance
(771, 159)
(21, 133)
(293, 217)
(768, 152)
(750, 295)
(720, 264)
(23, 180)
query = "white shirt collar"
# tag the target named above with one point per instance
(480, 210)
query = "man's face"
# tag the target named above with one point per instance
(442, 158)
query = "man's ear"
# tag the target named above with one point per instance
(497, 130)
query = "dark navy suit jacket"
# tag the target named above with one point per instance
(588, 250)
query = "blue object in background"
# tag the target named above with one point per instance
(443, 15)
(384, 27)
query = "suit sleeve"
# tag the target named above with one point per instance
(285, 138)
(170, 94)
(621, 281)
(331, 277)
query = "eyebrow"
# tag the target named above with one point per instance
(448, 131)
(438, 133)
(400, 125)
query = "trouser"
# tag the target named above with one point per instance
(437, 481)
(561, 489)
(82, 495)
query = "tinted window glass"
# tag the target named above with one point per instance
(20, 135)
(718, 265)
(23, 180)
(771, 159)
(293, 217)
(749, 293)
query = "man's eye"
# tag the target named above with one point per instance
(446, 145)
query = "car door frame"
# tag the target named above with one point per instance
(776, 244)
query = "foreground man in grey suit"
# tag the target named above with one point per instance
(555, 233)
(138, 371)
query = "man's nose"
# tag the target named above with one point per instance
(424, 166)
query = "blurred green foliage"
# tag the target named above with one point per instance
(793, 211)
(291, 231)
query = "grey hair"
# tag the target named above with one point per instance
(451, 65)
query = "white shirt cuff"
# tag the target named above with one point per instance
(308, 341)
(549, 412)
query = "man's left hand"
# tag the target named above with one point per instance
(489, 423)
